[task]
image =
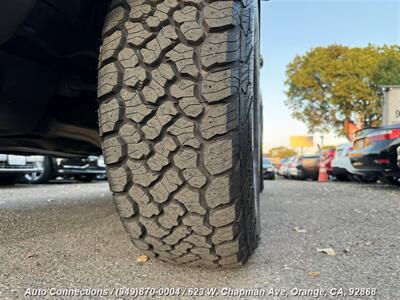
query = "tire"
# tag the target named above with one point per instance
(362, 179)
(41, 177)
(342, 177)
(86, 178)
(354, 178)
(178, 124)
(101, 177)
(8, 180)
(368, 179)
(269, 177)
(261, 129)
(390, 180)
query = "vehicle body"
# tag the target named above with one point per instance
(12, 167)
(48, 58)
(341, 164)
(167, 91)
(282, 167)
(309, 166)
(398, 156)
(294, 170)
(268, 169)
(80, 168)
(375, 152)
(343, 170)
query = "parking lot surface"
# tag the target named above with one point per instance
(69, 236)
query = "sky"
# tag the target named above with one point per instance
(292, 27)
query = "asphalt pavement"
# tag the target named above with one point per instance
(316, 239)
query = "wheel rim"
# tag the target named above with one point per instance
(33, 176)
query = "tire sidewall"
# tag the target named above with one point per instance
(250, 138)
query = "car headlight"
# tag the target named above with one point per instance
(100, 162)
(92, 158)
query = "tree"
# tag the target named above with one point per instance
(281, 152)
(328, 147)
(388, 71)
(330, 85)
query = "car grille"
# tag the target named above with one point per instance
(6, 165)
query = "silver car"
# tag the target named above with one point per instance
(342, 168)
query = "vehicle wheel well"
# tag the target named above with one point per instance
(49, 79)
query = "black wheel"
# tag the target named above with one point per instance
(368, 179)
(342, 177)
(9, 180)
(269, 177)
(101, 177)
(354, 178)
(261, 127)
(362, 179)
(391, 180)
(40, 177)
(179, 126)
(86, 178)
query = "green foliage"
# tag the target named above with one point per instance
(388, 72)
(281, 152)
(329, 85)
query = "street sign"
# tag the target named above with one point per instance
(302, 141)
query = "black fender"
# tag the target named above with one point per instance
(12, 15)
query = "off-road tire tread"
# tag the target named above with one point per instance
(175, 92)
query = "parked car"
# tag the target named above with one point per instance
(309, 166)
(13, 167)
(282, 166)
(343, 169)
(284, 169)
(268, 169)
(376, 153)
(294, 168)
(83, 169)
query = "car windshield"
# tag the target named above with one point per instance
(342, 150)
(339, 152)
(365, 132)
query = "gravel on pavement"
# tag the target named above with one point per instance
(66, 236)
